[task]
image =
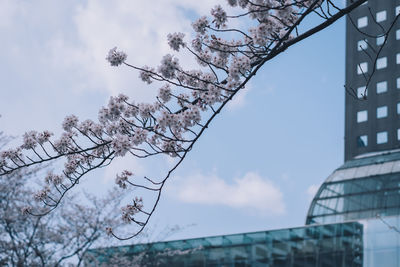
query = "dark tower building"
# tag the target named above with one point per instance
(372, 122)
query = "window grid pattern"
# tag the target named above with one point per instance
(383, 137)
(318, 246)
(359, 191)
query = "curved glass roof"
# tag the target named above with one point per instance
(361, 188)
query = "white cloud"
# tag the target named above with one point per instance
(57, 50)
(7, 12)
(248, 192)
(138, 29)
(73, 38)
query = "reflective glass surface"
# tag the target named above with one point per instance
(368, 243)
(354, 220)
(322, 245)
(361, 188)
(381, 241)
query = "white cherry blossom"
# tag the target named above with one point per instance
(175, 40)
(115, 57)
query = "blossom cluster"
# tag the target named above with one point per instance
(13, 154)
(42, 194)
(70, 122)
(121, 144)
(186, 102)
(169, 65)
(131, 209)
(54, 179)
(200, 25)
(175, 40)
(219, 15)
(115, 57)
(32, 138)
(65, 143)
(122, 178)
(146, 74)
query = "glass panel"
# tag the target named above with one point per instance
(361, 92)
(361, 171)
(381, 112)
(386, 167)
(348, 173)
(381, 63)
(373, 170)
(362, 45)
(381, 87)
(380, 40)
(381, 137)
(381, 16)
(362, 141)
(362, 68)
(362, 22)
(362, 116)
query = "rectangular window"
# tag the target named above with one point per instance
(398, 83)
(381, 87)
(397, 34)
(397, 11)
(362, 116)
(398, 58)
(381, 137)
(398, 108)
(361, 92)
(362, 22)
(381, 112)
(362, 141)
(398, 134)
(381, 63)
(381, 16)
(362, 45)
(380, 40)
(362, 68)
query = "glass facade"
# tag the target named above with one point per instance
(381, 242)
(353, 220)
(364, 187)
(321, 245)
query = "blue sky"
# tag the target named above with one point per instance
(258, 164)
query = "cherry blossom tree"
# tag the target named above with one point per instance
(227, 57)
(55, 240)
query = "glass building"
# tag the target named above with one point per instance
(362, 188)
(320, 245)
(354, 218)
